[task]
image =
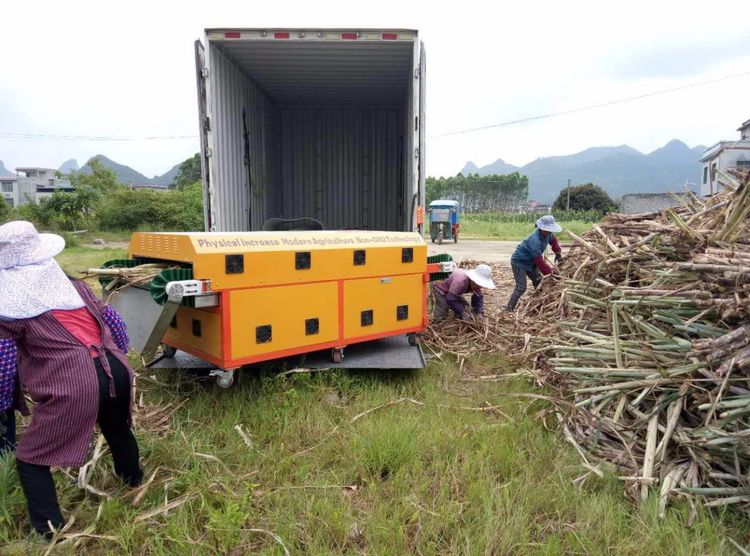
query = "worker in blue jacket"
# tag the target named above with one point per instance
(528, 258)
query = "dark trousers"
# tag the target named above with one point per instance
(520, 275)
(36, 480)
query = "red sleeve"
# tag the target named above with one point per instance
(555, 245)
(542, 265)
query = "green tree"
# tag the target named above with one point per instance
(585, 197)
(189, 172)
(101, 178)
(69, 210)
(5, 211)
(480, 193)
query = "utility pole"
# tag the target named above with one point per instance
(568, 194)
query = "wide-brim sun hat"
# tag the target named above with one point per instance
(548, 224)
(482, 276)
(22, 245)
(31, 281)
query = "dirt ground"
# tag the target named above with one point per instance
(475, 249)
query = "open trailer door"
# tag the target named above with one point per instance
(204, 126)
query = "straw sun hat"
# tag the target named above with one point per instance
(31, 282)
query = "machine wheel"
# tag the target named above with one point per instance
(337, 355)
(225, 380)
(169, 351)
(414, 339)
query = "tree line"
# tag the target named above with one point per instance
(509, 193)
(100, 202)
(481, 193)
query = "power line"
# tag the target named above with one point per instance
(594, 106)
(45, 136)
(9, 135)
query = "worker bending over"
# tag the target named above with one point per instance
(528, 258)
(449, 292)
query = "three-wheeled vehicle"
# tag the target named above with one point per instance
(444, 220)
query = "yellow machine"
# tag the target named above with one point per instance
(234, 299)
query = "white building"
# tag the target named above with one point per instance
(34, 185)
(725, 156)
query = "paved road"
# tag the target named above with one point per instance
(475, 249)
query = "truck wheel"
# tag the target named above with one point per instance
(337, 355)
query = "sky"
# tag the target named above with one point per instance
(126, 69)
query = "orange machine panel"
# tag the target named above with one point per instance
(275, 319)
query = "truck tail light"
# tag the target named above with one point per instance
(232, 35)
(350, 36)
(390, 36)
(281, 35)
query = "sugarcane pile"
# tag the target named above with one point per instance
(649, 323)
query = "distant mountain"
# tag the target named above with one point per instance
(168, 177)
(4, 171)
(124, 173)
(499, 167)
(619, 170)
(69, 166)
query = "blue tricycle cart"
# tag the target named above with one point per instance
(444, 220)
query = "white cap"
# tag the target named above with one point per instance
(482, 276)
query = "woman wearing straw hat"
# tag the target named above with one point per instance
(528, 258)
(68, 363)
(449, 292)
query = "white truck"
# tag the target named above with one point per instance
(325, 124)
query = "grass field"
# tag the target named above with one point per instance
(512, 231)
(356, 462)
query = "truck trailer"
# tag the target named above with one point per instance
(319, 132)
(322, 124)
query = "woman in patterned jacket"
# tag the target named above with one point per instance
(69, 365)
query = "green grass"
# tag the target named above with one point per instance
(76, 259)
(333, 469)
(513, 231)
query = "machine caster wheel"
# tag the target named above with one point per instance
(224, 379)
(169, 351)
(414, 339)
(337, 355)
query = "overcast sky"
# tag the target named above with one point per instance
(127, 69)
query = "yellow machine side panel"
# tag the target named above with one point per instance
(192, 322)
(383, 297)
(280, 267)
(286, 309)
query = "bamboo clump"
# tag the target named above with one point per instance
(648, 322)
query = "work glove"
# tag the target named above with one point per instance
(558, 258)
(4, 422)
